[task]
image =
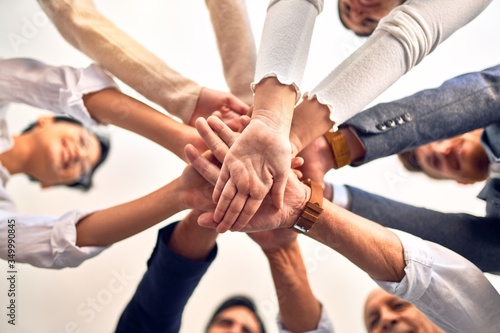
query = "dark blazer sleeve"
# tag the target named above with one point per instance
(164, 290)
(475, 238)
(459, 105)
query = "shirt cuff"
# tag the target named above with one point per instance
(89, 80)
(341, 196)
(65, 252)
(325, 324)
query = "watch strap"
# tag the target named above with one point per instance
(340, 149)
(312, 210)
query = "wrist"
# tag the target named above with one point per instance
(279, 252)
(312, 209)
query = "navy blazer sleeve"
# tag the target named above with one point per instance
(475, 238)
(164, 290)
(459, 105)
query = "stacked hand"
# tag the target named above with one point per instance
(219, 138)
(228, 107)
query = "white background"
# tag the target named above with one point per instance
(180, 33)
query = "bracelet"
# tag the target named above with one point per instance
(312, 210)
(340, 149)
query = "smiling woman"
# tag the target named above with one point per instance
(64, 152)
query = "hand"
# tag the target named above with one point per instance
(229, 106)
(267, 217)
(196, 190)
(273, 240)
(257, 163)
(318, 160)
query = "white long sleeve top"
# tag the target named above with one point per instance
(401, 40)
(44, 240)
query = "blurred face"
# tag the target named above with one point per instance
(387, 313)
(362, 16)
(461, 158)
(63, 152)
(236, 319)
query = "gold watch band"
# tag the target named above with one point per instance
(340, 149)
(312, 210)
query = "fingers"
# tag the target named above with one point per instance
(232, 213)
(227, 135)
(212, 140)
(224, 201)
(206, 168)
(244, 121)
(206, 220)
(246, 214)
(278, 191)
(297, 162)
(238, 105)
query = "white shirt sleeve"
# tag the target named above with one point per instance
(402, 39)
(325, 324)
(45, 241)
(448, 288)
(57, 89)
(286, 38)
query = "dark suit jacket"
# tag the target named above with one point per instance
(165, 288)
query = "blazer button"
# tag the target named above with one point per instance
(399, 120)
(381, 127)
(407, 117)
(390, 123)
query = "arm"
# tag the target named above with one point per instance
(116, 223)
(258, 162)
(86, 29)
(295, 296)
(402, 39)
(91, 96)
(110, 106)
(459, 105)
(473, 237)
(405, 265)
(236, 45)
(182, 255)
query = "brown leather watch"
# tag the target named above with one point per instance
(313, 209)
(340, 149)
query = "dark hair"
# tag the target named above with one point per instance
(409, 160)
(84, 183)
(238, 300)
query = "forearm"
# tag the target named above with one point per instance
(113, 107)
(85, 28)
(191, 241)
(274, 103)
(402, 39)
(114, 224)
(236, 45)
(311, 119)
(371, 247)
(299, 309)
(473, 237)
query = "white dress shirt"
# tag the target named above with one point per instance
(44, 240)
